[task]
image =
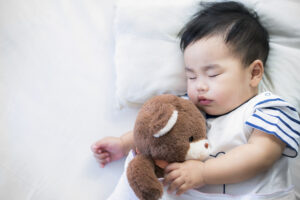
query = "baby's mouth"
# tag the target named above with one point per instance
(203, 101)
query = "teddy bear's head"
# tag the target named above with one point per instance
(171, 128)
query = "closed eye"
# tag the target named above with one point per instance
(214, 75)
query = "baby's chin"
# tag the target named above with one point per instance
(212, 111)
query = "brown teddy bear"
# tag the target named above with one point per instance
(167, 129)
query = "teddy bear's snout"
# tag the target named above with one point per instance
(199, 150)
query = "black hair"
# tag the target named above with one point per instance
(240, 27)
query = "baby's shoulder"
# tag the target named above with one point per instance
(269, 100)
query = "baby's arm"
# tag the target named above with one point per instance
(239, 164)
(245, 161)
(112, 148)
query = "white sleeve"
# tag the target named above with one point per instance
(275, 116)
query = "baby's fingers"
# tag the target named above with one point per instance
(99, 146)
(170, 177)
(104, 162)
(171, 167)
(95, 148)
(182, 189)
(101, 156)
(177, 183)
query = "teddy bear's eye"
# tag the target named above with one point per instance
(191, 139)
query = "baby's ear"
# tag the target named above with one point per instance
(256, 69)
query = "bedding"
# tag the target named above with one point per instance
(57, 85)
(60, 65)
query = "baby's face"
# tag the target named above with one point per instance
(217, 80)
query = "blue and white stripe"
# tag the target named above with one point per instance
(275, 116)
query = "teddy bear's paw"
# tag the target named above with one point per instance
(151, 194)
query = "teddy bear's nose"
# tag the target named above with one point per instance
(206, 145)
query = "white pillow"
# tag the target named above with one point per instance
(149, 61)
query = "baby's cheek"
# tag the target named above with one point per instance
(193, 98)
(192, 94)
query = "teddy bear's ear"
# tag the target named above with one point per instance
(171, 122)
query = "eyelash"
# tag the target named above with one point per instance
(212, 76)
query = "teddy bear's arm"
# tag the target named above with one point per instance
(142, 179)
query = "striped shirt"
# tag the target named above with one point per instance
(275, 116)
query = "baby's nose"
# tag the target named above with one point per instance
(201, 86)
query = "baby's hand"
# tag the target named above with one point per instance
(108, 149)
(184, 176)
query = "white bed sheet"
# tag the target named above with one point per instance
(57, 87)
